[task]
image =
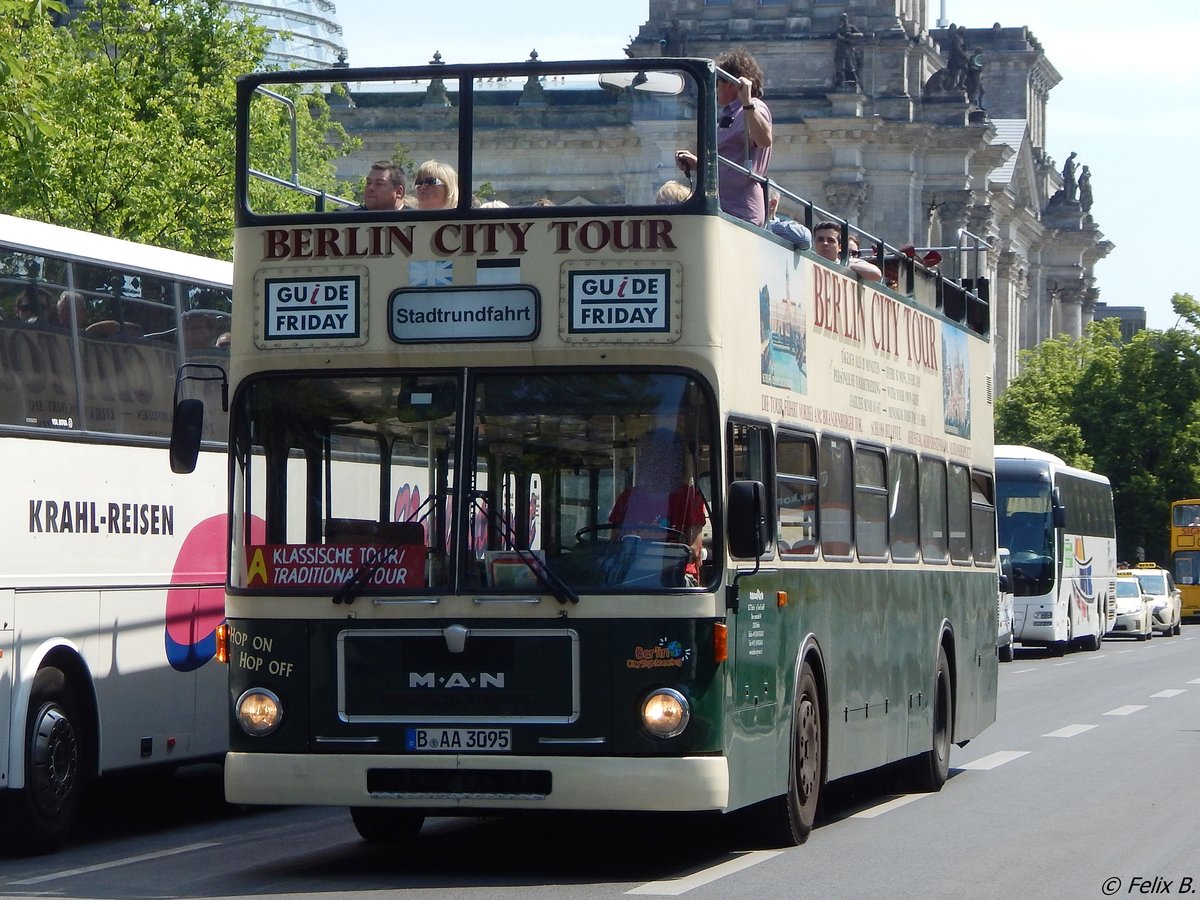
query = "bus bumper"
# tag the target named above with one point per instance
(674, 784)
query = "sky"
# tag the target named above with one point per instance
(1127, 104)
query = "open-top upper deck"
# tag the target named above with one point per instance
(569, 154)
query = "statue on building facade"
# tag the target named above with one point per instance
(1070, 186)
(1085, 191)
(957, 60)
(847, 54)
(973, 82)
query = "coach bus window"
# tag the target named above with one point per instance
(796, 488)
(1186, 516)
(934, 543)
(902, 506)
(958, 505)
(870, 504)
(837, 487)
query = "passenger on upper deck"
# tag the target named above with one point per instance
(788, 229)
(662, 499)
(672, 192)
(827, 241)
(865, 270)
(744, 118)
(436, 184)
(385, 187)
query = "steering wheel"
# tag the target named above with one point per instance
(633, 530)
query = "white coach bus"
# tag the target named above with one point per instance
(1057, 522)
(112, 572)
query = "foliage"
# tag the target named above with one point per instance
(22, 85)
(134, 128)
(1130, 411)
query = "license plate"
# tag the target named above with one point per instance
(459, 740)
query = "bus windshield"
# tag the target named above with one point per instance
(569, 482)
(1026, 529)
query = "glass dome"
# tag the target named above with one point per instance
(304, 33)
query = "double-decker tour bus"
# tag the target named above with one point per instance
(576, 501)
(1057, 523)
(112, 577)
(1185, 555)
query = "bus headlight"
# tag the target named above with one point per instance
(258, 712)
(665, 713)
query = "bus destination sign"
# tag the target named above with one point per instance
(486, 313)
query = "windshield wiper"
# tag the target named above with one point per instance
(562, 592)
(358, 581)
(354, 586)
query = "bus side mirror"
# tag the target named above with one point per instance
(186, 427)
(749, 534)
(1060, 516)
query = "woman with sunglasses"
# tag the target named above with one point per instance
(436, 184)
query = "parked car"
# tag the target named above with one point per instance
(1004, 608)
(1133, 609)
(1159, 585)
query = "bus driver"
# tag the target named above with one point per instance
(662, 499)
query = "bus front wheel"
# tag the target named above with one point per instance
(383, 825)
(787, 820)
(39, 817)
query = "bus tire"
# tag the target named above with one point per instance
(929, 770)
(38, 818)
(787, 820)
(385, 825)
(1093, 642)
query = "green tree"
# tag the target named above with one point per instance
(21, 85)
(140, 113)
(1130, 411)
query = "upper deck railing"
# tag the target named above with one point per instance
(547, 139)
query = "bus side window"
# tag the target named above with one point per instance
(750, 449)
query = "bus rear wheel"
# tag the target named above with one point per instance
(930, 769)
(383, 825)
(788, 820)
(38, 818)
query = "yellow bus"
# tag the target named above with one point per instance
(1185, 555)
(596, 505)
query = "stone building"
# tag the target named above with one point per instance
(912, 133)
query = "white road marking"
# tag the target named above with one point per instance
(992, 760)
(676, 886)
(1069, 662)
(887, 806)
(1124, 710)
(114, 864)
(1070, 731)
(1022, 671)
(1168, 694)
(1194, 681)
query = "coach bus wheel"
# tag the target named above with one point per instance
(381, 825)
(787, 820)
(39, 817)
(931, 769)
